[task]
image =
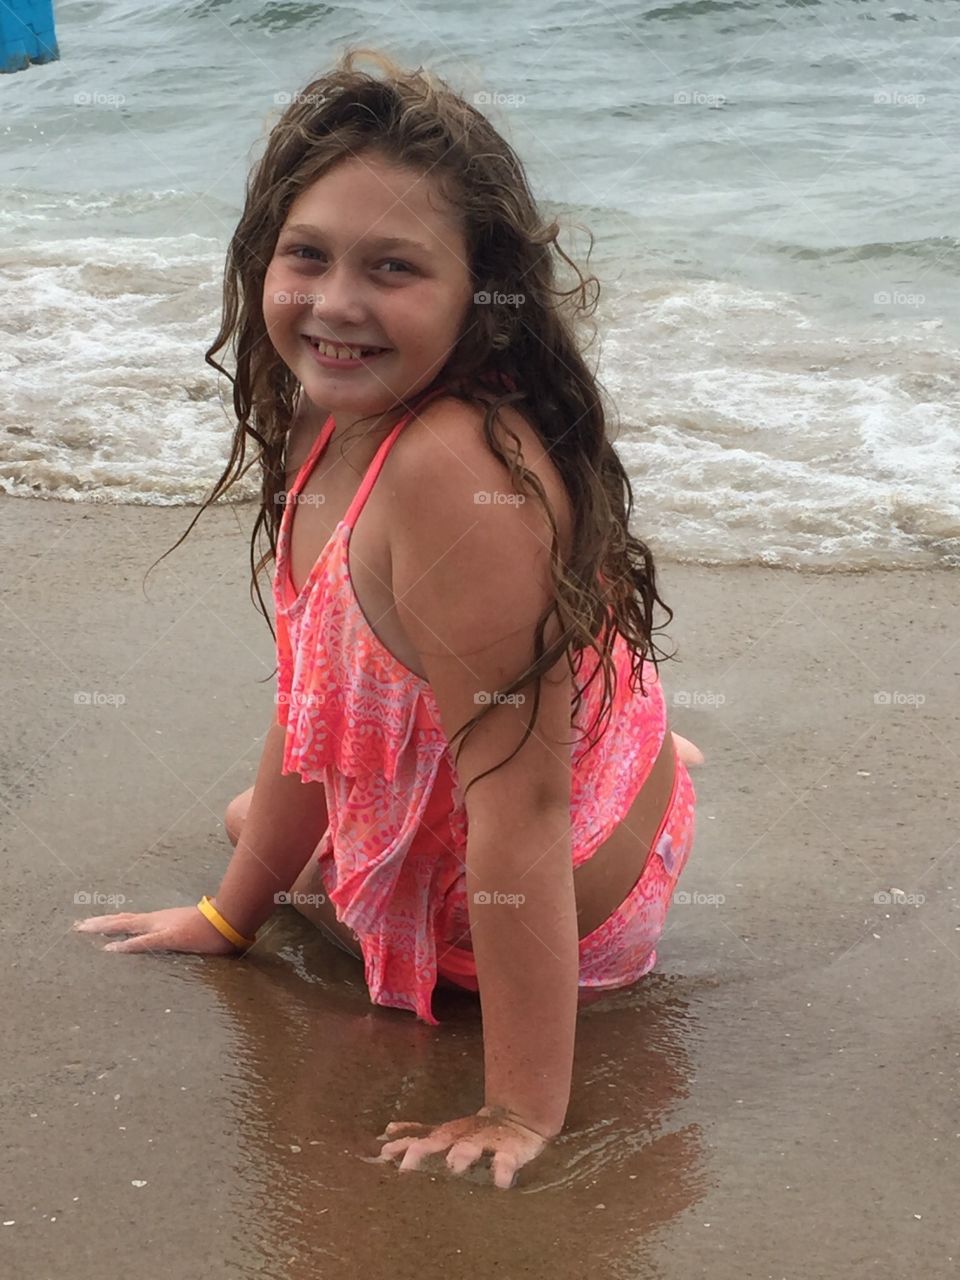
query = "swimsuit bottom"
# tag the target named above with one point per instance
(622, 948)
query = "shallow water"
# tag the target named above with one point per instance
(772, 189)
(778, 1098)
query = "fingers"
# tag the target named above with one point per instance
(417, 1148)
(413, 1155)
(413, 1149)
(391, 1149)
(504, 1168)
(143, 942)
(400, 1144)
(145, 937)
(124, 923)
(396, 1125)
(462, 1155)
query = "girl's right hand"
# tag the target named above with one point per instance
(175, 929)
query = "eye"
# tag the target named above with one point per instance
(296, 250)
(397, 263)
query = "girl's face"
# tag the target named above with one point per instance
(369, 256)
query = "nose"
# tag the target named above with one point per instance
(338, 305)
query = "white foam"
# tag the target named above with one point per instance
(752, 432)
(109, 395)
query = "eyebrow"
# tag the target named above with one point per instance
(380, 242)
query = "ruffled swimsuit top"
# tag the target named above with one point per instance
(368, 728)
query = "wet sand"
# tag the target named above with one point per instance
(778, 1099)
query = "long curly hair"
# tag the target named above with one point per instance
(532, 346)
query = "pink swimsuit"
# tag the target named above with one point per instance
(393, 856)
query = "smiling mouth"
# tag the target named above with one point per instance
(336, 351)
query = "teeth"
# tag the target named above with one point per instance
(341, 353)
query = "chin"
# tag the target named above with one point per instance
(330, 394)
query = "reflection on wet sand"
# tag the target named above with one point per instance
(322, 1071)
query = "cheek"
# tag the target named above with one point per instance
(278, 306)
(457, 316)
(435, 328)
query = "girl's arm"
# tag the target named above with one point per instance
(470, 578)
(524, 935)
(285, 823)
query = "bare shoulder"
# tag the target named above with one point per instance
(444, 451)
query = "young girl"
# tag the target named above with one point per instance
(449, 526)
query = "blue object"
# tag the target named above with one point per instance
(26, 34)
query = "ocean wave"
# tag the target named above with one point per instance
(930, 249)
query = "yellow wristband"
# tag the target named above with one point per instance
(206, 907)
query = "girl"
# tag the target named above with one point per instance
(391, 296)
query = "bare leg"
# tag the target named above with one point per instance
(686, 750)
(308, 894)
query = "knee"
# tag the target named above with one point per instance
(687, 751)
(236, 814)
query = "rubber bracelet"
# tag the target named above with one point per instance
(206, 907)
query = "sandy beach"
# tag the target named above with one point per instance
(778, 1099)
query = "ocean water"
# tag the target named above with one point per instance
(772, 187)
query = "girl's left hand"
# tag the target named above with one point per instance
(513, 1144)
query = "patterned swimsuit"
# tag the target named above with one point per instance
(393, 856)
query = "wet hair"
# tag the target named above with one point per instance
(530, 350)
